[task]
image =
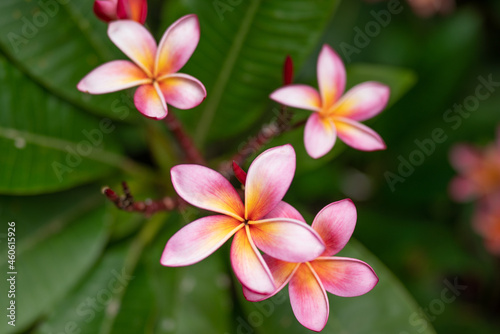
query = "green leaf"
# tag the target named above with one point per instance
(385, 309)
(46, 143)
(201, 291)
(57, 42)
(241, 53)
(153, 299)
(53, 249)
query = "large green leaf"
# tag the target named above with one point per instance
(241, 53)
(57, 42)
(385, 309)
(46, 143)
(149, 298)
(53, 249)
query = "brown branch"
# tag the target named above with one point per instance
(148, 207)
(193, 155)
(269, 131)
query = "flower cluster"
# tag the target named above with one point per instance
(294, 252)
(479, 180)
(153, 68)
(333, 114)
(272, 244)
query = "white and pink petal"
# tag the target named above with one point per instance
(136, 42)
(268, 179)
(358, 136)
(298, 96)
(177, 45)
(282, 272)
(308, 298)
(197, 240)
(249, 266)
(149, 102)
(345, 277)
(285, 210)
(182, 91)
(331, 76)
(287, 239)
(335, 224)
(363, 101)
(207, 189)
(319, 136)
(113, 76)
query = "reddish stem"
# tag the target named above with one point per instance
(149, 207)
(193, 155)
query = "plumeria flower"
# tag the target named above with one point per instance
(309, 281)
(261, 223)
(479, 171)
(333, 114)
(486, 222)
(111, 10)
(154, 69)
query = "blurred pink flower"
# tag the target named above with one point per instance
(261, 223)
(309, 281)
(486, 222)
(428, 8)
(154, 69)
(333, 114)
(111, 10)
(479, 171)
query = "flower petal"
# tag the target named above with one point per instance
(135, 41)
(464, 157)
(345, 277)
(363, 101)
(462, 189)
(358, 136)
(287, 239)
(249, 266)
(207, 189)
(308, 298)
(136, 10)
(111, 77)
(319, 136)
(149, 102)
(177, 45)
(105, 10)
(285, 210)
(182, 91)
(335, 224)
(282, 273)
(268, 179)
(298, 96)
(331, 76)
(198, 240)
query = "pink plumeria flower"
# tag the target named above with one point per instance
(336, 115)
(154, 69)
(112, 10)
(486, 222)
(479, 171)
(310, 280)
(261, 223)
